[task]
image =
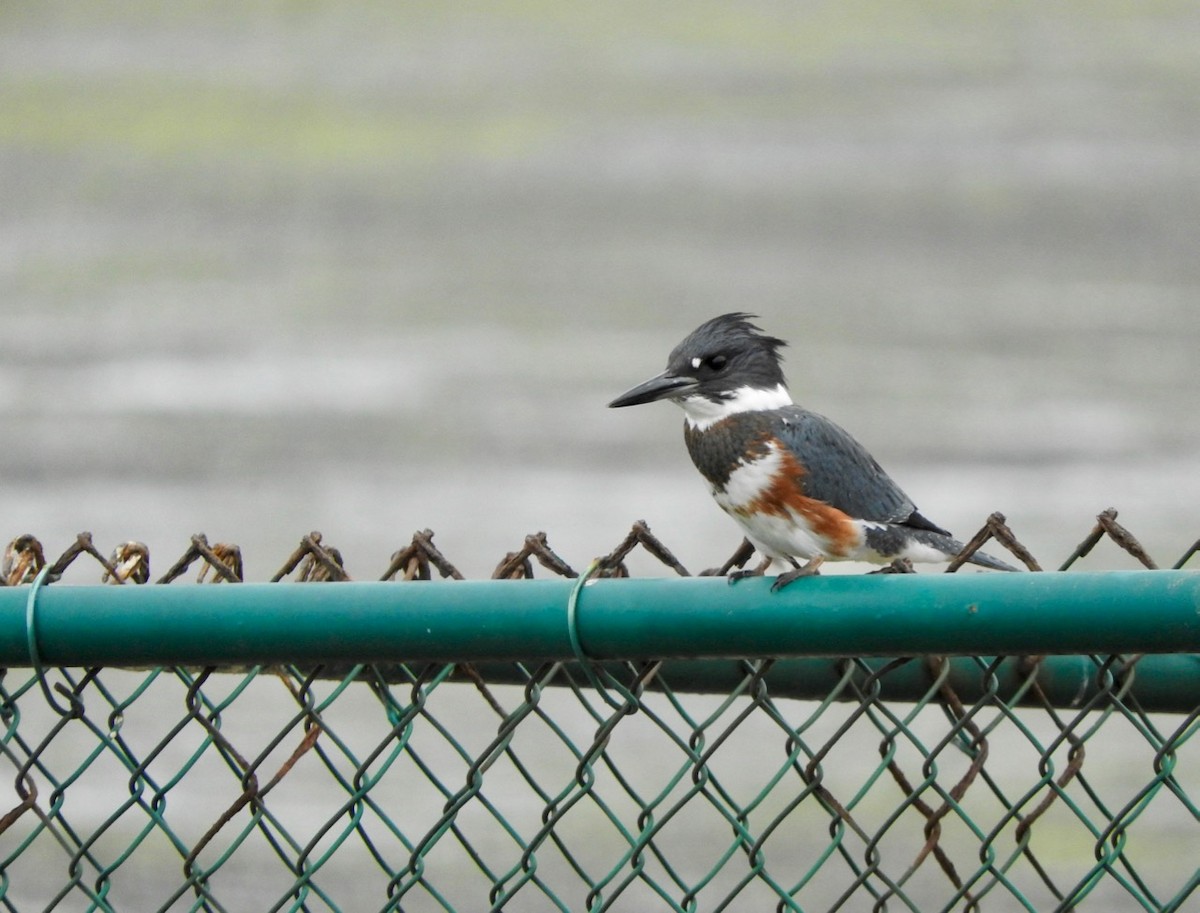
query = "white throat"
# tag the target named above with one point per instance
(702, 412)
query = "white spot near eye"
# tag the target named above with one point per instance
(695, 362)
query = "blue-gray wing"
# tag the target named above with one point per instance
(840, 471)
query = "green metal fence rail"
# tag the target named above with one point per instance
(880, 742)
(1128, 611)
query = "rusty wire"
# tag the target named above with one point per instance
(314, 561)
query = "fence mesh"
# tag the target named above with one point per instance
(435, 788)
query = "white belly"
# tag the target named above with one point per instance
(772, 534)
(780, 537)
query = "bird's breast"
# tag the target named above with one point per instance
(753, 485)
(721, 449)
(759, 481)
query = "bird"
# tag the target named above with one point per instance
(797, 483)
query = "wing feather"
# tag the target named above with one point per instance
(840, 471)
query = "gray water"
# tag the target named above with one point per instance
(369, 268)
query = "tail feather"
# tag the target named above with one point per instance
(894, 541)
(983, 559)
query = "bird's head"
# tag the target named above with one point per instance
(725, 365)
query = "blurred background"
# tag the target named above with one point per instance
(370, 267)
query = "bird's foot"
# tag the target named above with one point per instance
(899, 566)
(743, 573)
(809, 569)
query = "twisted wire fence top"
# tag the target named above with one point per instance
(313, 560)
(572, 786)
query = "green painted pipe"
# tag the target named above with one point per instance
(695, 617)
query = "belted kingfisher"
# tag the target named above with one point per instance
(796, 483)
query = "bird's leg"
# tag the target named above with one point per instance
(899, 566)
(743, 573)
(808, 569)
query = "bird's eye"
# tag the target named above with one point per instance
(715, 362)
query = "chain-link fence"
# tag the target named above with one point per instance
(635, 786)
